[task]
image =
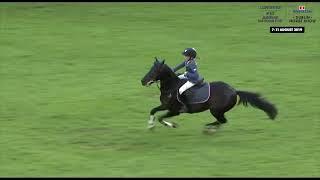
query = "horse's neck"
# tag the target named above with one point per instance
(169, 81)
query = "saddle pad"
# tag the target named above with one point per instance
(197, 94)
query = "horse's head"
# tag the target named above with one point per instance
(154, 73)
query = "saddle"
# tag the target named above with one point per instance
(199, 93)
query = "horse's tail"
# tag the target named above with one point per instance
(255, 100)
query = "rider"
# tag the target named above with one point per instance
(191, 73)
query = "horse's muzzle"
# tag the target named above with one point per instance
(149, 83)
(146, 84)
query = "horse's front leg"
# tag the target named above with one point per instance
(167, 115)
(151, 122)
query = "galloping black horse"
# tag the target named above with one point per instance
(222, 97)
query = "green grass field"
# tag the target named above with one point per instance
(72, 104)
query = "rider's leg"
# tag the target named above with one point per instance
(182, 76)
(182, 89)
(186, 86)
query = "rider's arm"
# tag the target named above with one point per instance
(179, 66)
(191, 67)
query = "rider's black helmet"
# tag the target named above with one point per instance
(190, 52)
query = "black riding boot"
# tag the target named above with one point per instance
(184, 107)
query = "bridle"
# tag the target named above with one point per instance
(158, 84)
(157, 73)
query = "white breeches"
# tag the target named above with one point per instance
(182, 76)
(186, 86)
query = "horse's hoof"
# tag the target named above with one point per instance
(151, 127)
(209, 130)
(175, 125)
(212, 127)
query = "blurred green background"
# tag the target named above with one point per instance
(72, 104)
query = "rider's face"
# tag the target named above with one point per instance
(186, 57)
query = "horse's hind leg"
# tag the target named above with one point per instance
(221, 119)
(218, 113)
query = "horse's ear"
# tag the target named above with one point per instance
(163, 61)
(156, 59)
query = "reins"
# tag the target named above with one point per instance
(158, 85)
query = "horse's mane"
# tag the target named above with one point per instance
(168, 68)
